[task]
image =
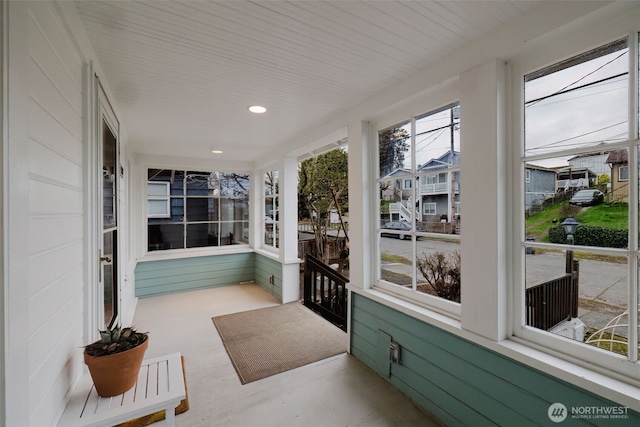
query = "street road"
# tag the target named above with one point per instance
(603, 287)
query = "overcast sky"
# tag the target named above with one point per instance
(581, 116)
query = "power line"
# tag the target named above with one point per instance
(534, 101)
(580, 79)
(575, 137)
(605, 90)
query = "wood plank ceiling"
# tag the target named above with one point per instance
(184, 72)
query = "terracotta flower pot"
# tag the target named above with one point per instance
(116, 373)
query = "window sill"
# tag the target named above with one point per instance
(621, 392)
(194, 253)
(276, 256)
(269, 253)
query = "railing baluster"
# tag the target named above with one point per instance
(329, 291)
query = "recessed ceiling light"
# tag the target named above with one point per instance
(214, 151)
(258, 109)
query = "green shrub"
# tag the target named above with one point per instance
(589, 235)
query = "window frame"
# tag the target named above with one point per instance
(620, 169)
(437, 304)
(220, 223)
(576, 352)
(166, 197)
(425, 205)
(275, 223)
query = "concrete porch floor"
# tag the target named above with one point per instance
(339, 391)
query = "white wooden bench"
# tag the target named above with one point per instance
(160, 386)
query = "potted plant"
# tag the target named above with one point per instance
(115, 359)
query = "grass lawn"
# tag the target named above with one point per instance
(603, 215)
(539, 223)
(616, 217)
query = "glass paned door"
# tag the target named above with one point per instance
(109, 252)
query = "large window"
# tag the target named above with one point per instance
(581, 281)
(419, 224)
(190, 209)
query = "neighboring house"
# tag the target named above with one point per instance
(540, 184)
(439, 189)
(395, 187)
(596, 162)
(573, 179)
(398, 187)
(618, 160)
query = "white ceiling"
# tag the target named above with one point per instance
(182, 74)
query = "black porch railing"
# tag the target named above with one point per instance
(552, 302)
(325, 291)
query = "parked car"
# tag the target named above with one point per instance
(587, 198)
(398, 226)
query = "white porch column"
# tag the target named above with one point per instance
(256, 209)
(483, 196)
(288, 220)
(360, 205)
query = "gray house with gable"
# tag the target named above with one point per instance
(540, 184)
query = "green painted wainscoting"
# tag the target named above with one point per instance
(186, 274)
(461, 383)
(266, 268)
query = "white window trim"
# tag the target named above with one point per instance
(620, 174)
(404, 184)
(165, 197)
(421, 299)
(427, 208)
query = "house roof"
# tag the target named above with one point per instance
(618, 156)
(443, 162)
(540, 168)
(399, 171)
(593, 153)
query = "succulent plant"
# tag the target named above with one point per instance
(115, 340)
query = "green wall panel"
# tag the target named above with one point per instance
(463, 383)
(185, 274)
(266, 267)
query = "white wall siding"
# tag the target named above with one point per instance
(55, 211)
(3, 144)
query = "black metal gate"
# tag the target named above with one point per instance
(325, 291)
